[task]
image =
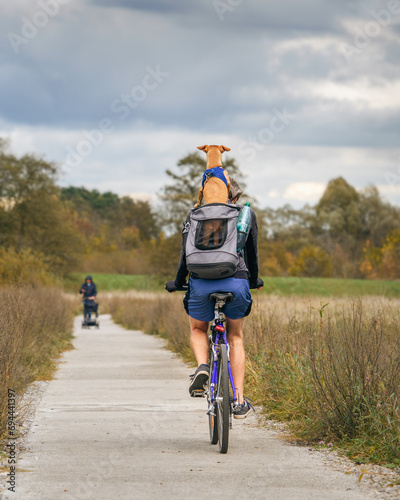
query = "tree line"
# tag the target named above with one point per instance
(348, 233)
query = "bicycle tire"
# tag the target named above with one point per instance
(212, 419)
(223, 400)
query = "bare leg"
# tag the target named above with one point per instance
(238, 358)
(199, 340)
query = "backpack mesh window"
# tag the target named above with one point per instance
(211, 234)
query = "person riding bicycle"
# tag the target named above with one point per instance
(201, 310)
(89, 291)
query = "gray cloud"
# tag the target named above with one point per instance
(314, 15)
(224, 78)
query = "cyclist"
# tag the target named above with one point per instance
(201, 310)
(89, 291)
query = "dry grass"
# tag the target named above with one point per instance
(35, 326)
(330, 368)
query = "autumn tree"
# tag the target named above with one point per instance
(383, 262)
(120, 214)
(378, 218)
(312, 261)
(32, 214)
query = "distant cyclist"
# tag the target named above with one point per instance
(201, 310)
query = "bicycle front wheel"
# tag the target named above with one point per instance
(212, 416)
(223, 402)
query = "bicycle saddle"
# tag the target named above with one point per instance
(227, 296)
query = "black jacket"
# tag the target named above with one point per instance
(248, 267)
(90, 289)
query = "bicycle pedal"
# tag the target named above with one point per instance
(198, 393)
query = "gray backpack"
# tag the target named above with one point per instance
(211, 241)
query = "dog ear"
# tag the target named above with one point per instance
(203, 148)
(224, 148)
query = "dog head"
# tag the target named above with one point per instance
(214, 154)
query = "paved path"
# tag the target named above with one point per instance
(117, 422)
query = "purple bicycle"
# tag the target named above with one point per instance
(220, 390)
(221, 393)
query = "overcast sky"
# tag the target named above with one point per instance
(301, 91)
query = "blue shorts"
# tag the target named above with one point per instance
(198, 305)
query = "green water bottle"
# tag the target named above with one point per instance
(243, 226)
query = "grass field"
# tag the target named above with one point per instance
(321, 287)
(331, 287)
(109, 282)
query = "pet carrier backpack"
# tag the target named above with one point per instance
(211, 241)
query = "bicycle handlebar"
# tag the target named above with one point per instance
(184, 288)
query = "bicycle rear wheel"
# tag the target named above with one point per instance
(223, 403)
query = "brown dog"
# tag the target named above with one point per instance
(214, 189)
